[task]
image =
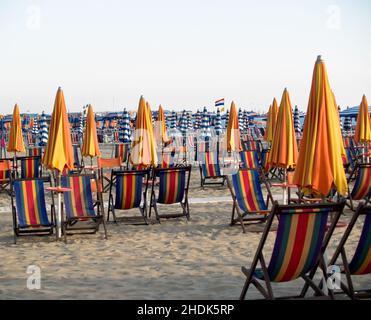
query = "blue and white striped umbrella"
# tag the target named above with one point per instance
(189, 121)
(297, 125)
(218, 123)
(183, 123)
(341, 123)
(245, 121)
(35, 128)
(347, 126)
(197, 120)
(43, 130)
(205, 124)
(240, 121)
(126, 127)
(226, 119)
(173, 120)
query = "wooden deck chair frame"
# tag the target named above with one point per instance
(104, 163)
(33, 230)
(6, 164)
(143, 209)
(354, 173)
(204, 179)
(69, 223)
(267, 292)
(184, 203)
(348, 287)
(242, 218)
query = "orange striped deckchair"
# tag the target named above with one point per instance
(301, 241)
(29, 209)
(130, 187)
(82, 215)
(173, 188)
(362, 185)
(360, 264)
(247, 196)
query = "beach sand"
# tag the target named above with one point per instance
(177, 259)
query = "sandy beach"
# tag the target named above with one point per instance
(177, 259)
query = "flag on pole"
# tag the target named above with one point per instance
(220, 103)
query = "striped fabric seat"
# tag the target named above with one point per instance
(298, 243)
(34, 152)
(30, 203)
(249, 159)
(362, 185)
(264, 161)
(122, 151)
(79, 201)
(167, 159)
(172, 186)
(210, 165)
(251, 145)
(30, 167)
(128, 191)
(247, 188)
(361, 261)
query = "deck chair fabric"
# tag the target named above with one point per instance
(80, 207)
(210, 169)
(247, 196)
(29, 208)
(30, 167)
(122, 151)
(166, 159)
(362, 185)
(301, 241)
(173, 188)
(130, 188)
(5, 176)
(78, 162)
(360, 264)
(34, 152)
(249, 159)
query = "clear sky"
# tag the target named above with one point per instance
(182, 54)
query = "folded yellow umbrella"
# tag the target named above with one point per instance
(58, 152)
(320, 166)
(284, 150)
(160, 128)
(233, 131)
(143, 148)
(90, 146)
(363, 127)
(268, 135)
(15, 143)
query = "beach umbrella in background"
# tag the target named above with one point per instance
(363, 128)
(284, 150)
(226, 119)
(205, 124)
(320, 166)
(35, 130)
(121, 128)
(150, 113)
(160, 128)
(183, 123)
(233, 131)
(126, 127)
(245, 121)
(218, 123)
(241, 121)
(297, 125)
(271, 121)
(198, 117)
(347, 126)
(81, 124)
(2, 138)
(90, 146)
(340, 120)
(43, 130)
(189, 121)
(173, 120)
(143, 147)
(16, 143)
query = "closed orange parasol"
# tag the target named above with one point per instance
(160, 127)
(143, 148)
(15, 143)
(284, 150)
(320, 166)
(90, 146)
(233, 131)
(58, 152)
(363, 127)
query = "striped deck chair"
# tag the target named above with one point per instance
(82, 215)
(29, 208)
(78, 164)
(166, 159)
(264, 161)
(210, 169)
(5, 175)
(247, 196)
(362, 185)
(298, 251)
(348, 160)
(34, 152)
(105, 177)
(249, 159)
(361, 261)
(130, 188)
(30, 167)
(173, 188)
(122, 151)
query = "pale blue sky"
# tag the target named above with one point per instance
(180, 53)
